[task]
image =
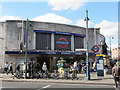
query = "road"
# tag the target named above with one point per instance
(52, 86)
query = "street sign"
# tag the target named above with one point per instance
(95, 49)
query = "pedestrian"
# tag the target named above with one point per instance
(11, 68)
(106, 69)
(84, 68)
(116, 75)
(6, 66)
(75, 68)
(18, 67)
(75, 65)
(55, 68)
(23, 68)
(44, 67)
(79, 67)
(37, 67)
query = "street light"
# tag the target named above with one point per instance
(26, 47)
(87, 59)
(111, 37)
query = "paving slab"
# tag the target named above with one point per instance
(106, 80)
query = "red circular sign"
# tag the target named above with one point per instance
(95, 48)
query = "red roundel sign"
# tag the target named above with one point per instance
(95, 49)
(62, 42)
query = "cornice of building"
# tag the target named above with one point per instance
(45, 23)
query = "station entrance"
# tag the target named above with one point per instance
(41, 60)
(51, 61)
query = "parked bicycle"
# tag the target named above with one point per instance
(18, 74)
(66, 74)
(55, 75)
(74, 75)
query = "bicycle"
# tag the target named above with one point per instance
(74, 75)
(18, 74)
(39, 74)
(55, 75)
(66, 74)
(46, 75)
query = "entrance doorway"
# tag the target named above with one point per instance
(41, 60)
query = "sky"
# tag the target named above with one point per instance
(103, 15)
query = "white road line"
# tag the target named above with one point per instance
(46, 86)
(6, 87)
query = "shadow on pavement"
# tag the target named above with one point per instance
(96, 79)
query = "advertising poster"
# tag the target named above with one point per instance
(100, 66)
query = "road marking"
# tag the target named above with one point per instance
(7, 87)
(46, 86)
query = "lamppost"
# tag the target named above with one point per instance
(26, 47)
(87, 52)
(111, 37)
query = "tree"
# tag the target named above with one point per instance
(104, 49)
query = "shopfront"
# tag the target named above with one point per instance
(51, 58)
(50, 46)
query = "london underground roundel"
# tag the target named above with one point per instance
(62, 42)
(95, 49)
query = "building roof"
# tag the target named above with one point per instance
(53, 23)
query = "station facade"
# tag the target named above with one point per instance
(46, 42)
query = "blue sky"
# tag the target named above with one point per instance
(101, 14)
(97, 10)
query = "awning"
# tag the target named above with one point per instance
(47, 53)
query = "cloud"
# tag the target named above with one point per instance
(4, 18)
(50, 17)
(66, 4)
(109, 29)
(82, 23)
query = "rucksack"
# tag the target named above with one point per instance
(118, 64)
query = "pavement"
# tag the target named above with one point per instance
(94, 79)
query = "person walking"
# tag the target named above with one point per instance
(18, 67)
(6, 66)
(75, 68)
(11, 68)
(79, 67)
(24, 69)
(116, 75)
(75, 65)
(44, 67)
